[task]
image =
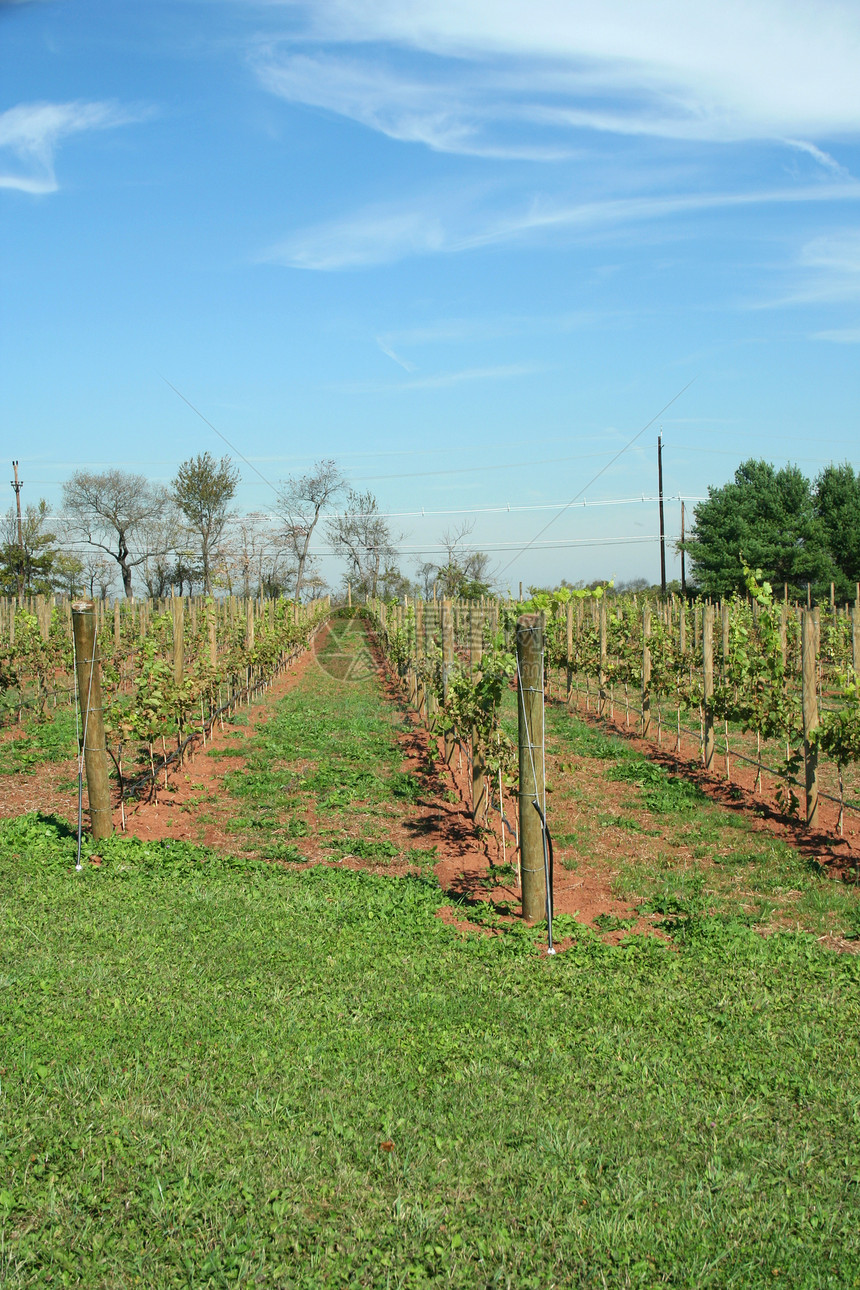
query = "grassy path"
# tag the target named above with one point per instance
(637, 845)
(217, 1070)
(668, 850)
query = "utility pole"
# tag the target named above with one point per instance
(683, 558)
(662, 523)
(18, 484)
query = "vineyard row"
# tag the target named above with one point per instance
(764, 682)
(166, 669)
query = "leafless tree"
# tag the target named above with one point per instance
(462, 572)
(363, 537)
(164, 541)
(247, 545)
(302, 500)
(110, 511)
(99, 573)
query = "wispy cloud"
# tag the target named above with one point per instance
(445, 115)
(385, 235)
(456, 331)
(713, 70)
(823, 158)
(375, 236)
(442, 380)
(31, 133)
(402, 362)
(827, 271)
(839, 335)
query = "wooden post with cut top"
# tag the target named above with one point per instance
(646, 671)
(708, 684)
(569, 626)
(810, 716)
(178, 638)
(447, 667)
(530, 727)
(479, 779)
(92, 717)
(601, 680)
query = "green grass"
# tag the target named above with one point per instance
(50, 740)
(747, 874)
(205, 1060)
(330, 746)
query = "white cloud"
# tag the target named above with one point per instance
(837, 252)
(372, 237)
(32, 131)
(457, 331)
(386, 235)
(713, 69)
(445, 116)
(444, 379)
(839, 335)
(401, 362)
(823, 158)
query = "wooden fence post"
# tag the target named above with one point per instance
(531, 765)
(479, 782)
(601, 678)
(178, 639)
(447, 667)
(646, 671)
(783, 633)
(810, 716)
(430, 624)
(213, 638)
(420, 695)
(708, 683)
(569, 651)
(92, 717)
(249, 625)
(724, 617)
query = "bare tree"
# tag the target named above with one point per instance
(247, 540)
(302, 499)
(98, 574)
(363, 536)
(162, 538)
(203, 489)
(110, 511)
(463, 572)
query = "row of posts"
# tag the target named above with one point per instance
(85, 624)
(531, 793)
(810, 636)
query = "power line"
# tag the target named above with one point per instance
(222, 436)
(559, 545)
(602, 471)
(507, 508)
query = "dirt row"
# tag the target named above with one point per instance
(197, 808)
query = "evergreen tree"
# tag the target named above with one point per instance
(768, 518)
(837, 503)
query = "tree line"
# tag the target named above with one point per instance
(118, 527)
(800, 533)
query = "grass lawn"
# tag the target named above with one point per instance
(221, 1072)
(50, 739)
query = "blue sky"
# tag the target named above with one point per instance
(469, 248)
